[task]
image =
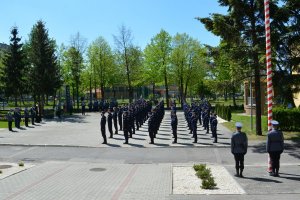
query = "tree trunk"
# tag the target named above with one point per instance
(91, 96)
(77, 94)
(102, 91)
(54, 100)
(153, 90)
(166, 87)
(225, 94)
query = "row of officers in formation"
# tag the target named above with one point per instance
(16, 115)
(133, 116)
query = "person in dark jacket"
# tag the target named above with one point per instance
(126, 126)
(239, 145)
(120, 113)
(32, 114)
(102, 126)
(275, 146)
(174, 123)
(115, 118)
(151, 127)
(26, 116)
(194, 120)
(109, 122)
(213, 124)
(10, 119)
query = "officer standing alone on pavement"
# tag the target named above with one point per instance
(275, 146)
(103, 127)
(239, 145)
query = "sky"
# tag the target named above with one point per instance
(94, 18)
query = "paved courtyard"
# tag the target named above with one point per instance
(71, 163)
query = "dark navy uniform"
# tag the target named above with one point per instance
(103, 129)
(174, 123)
(26, 116)
(214, 123)
(120, 113)
(109, 122)
(126, 126)
(115, 118)
(194, 120)
(10, 119)
(32, 114)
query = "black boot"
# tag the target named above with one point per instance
(237, 173)
(241, 173)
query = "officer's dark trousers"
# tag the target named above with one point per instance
(116, 126)
(275, 157)
(195, 135)
(110, 129)
(83, 110)
(239, 160)
(32, 120)
(214, 134)
(174, 129)
(10, 126)
(103, 135)
(126, 136)
(151, 135)
(26, 121)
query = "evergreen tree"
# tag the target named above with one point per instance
(45, 77)
(14, 67)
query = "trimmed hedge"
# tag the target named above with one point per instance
(223, 111)
(289, 119)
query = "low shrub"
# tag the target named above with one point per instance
(289, 119)
(223, 111)
(205, 175)
(21, 164)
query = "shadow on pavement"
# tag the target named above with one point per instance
(266, 180)
(292, 149)
(113, 145)
(290, 177)
(138, 138)
(136, 145)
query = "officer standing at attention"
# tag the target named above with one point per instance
(151, 122)
(239, 145)
(83, 107)
(214, 123)
(126, 126)
(174, 123)
(194, 120)
(115, 118)
(120, 113)
(109, 122)
(275, 146)
(102, 126)
(32, 114)
(10, 119)
(26, 116)
(17, 116)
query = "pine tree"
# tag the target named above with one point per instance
(14, 67)
(45, 77)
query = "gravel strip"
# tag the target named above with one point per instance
(186, 182)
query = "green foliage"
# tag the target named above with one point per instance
(223, 111)
(14, 69)
(205, 175)
(289, 119)
(199, 167)
(21, 164)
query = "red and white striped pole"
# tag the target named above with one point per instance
(269, 70)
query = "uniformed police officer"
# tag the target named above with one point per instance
(26, 116)
(194, 120)
(109, 122)
(120, 113)
(102, 126)
(83, 107)
(17, 116)
(10, 119)
(239, 145)
(213, 124)
(174, 123)
(32, 114)
(126, 126)
(151, 125)
(275, 146)
(115, 118)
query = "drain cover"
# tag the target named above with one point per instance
(97, 169)
(5, 166)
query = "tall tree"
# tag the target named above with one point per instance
(14, 67)
(129, 55)
(80, 45)
(101, 58)
(157, 60)
(244, 24)
(45, 73)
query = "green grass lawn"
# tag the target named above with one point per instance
(5, 124)
(236, 117)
